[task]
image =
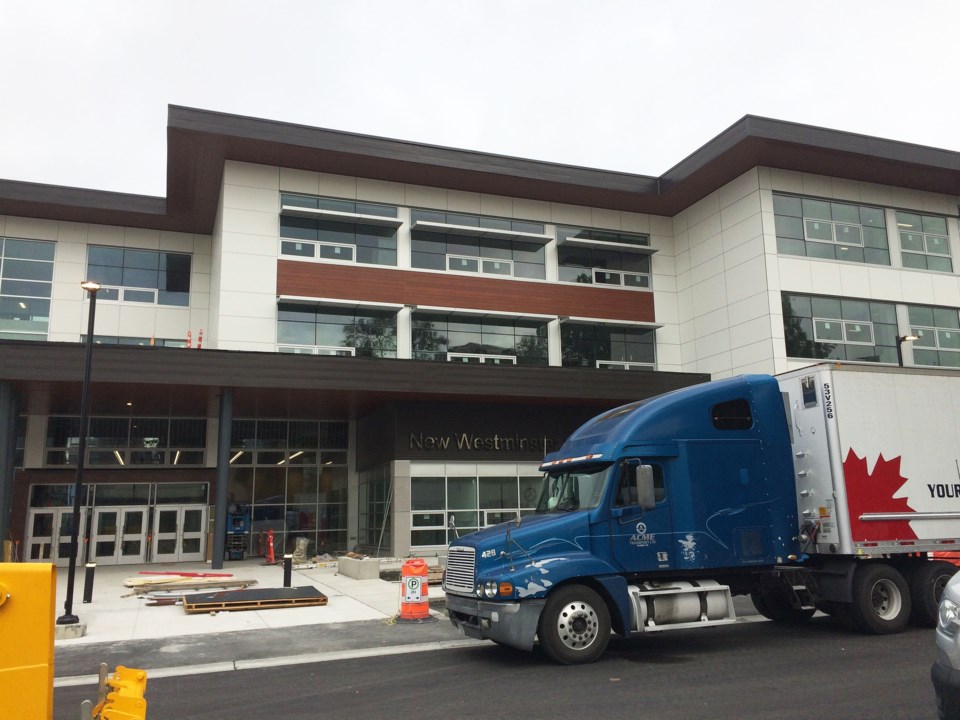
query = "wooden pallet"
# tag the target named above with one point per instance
(259, 599)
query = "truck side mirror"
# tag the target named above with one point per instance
(646, 494)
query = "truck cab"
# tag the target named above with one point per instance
(650, 516)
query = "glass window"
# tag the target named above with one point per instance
(26, 281)
(938, 335)
(483, 340)
(732, 415)
(316, 330)
(349, 240)
(830, 230)
(124, 442)
(607, 346)
(924, 243)
(839, 328)
(600, 266)
(427, 493)
(157, 276)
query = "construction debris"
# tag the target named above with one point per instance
(259, 599)
(167, 582)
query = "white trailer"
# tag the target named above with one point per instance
(877, 465)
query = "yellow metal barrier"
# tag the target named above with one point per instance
(27, 600)
(125, 701)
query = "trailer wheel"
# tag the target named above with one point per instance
(574, 626)
(881, 599)
(926, 589)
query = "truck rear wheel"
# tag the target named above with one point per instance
(881, 599)
(774, 603)
(574, 625)
(926, 588)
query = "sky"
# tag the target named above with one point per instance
(632, 86)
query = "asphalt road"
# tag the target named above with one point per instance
(752, 670)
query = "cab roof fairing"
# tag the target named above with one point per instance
(682, 414)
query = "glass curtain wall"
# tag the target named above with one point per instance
(461, 338)
(291, 476)
(316, 330)
(375, 526)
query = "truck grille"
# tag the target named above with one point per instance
(459, 571)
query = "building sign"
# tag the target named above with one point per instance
(466, 442)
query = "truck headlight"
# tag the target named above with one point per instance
(949, 618)
(490, 588)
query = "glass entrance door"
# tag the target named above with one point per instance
(49, 535)
(119, 535)
(178, 533)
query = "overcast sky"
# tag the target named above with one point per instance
(622, 85)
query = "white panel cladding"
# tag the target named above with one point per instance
(746, 279)
(722, 278)
(854, 280)
(306, 182)
(251, 199)
(946, 289)
(381, 191)
(245, 289)
(496, 205)
(825, 279)
(140, 238)
(337, 186)
(68, 308)
(917, 287)
(251, 175)
(236, 331)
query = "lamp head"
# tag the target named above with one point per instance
(90, 286)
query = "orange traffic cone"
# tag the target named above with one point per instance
(270, 559)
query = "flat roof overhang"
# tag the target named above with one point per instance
(200, 141)
(160, 381)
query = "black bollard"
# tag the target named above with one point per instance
(88, 583)
(287, 568)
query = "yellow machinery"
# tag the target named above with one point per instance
(27, 599)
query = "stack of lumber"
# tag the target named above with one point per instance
(183, 581)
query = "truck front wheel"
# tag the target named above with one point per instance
(574, 625)
(881, 599)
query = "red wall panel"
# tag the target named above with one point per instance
(358, 282)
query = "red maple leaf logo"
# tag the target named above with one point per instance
(873, 493)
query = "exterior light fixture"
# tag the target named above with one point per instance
(68, 618)
(901, 339)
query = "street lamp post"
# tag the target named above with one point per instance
(901, 339)
(68, 618)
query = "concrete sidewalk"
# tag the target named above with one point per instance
(122, 629)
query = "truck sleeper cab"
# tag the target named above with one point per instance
(648, 516)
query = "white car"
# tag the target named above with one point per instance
(945, 672)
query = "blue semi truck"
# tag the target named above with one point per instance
(827, 488)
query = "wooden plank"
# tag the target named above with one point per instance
(258, 599)
(189, 584)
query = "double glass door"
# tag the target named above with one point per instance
(179, 532)
(50, 534)
(119, 535)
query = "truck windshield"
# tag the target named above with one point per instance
(574, 490)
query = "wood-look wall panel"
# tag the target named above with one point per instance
(362, 283)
